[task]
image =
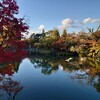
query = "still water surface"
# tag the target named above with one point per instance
(50, 79)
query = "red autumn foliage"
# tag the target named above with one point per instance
(11, 56)
(59, 45)
(7, 70)
(11, 29)
(18, 44)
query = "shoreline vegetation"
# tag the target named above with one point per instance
(51, 43)
(55, 45)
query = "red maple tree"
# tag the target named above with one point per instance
(11, 29)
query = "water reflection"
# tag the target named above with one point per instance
(82, 70)
(8, 86)
(9, 68)
(85, 71)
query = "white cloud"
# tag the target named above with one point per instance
(87, 20)
(67, 22)
(30, 33)
(41, 27)
(76, 21)
(61, 27)
(90, 20)
(95, 20)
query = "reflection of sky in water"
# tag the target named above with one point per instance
(60, 85)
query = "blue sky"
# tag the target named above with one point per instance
(73, 15)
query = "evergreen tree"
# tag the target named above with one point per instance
(43, 33)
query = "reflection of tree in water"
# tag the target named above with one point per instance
(97, 84)
(9, 86)
(9, 68)
(47, 65)
(85, 78)
(84, 71)
(88, 72)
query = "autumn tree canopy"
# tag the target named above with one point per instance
(11, 27)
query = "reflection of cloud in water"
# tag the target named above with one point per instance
(80, 72)
(60, 67)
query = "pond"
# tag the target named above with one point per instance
(48, 78)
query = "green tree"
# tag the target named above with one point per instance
(64, 34)
(43, 33)
(49, 33)
(55, 34)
